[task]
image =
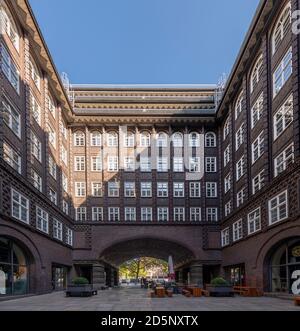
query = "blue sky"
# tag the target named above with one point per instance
(144, 41)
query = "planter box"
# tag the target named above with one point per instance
(220, 291)
(80, 291)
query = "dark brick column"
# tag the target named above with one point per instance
(98, 276)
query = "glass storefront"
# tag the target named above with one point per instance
(284, 262)
(59, 278)
(13, 269)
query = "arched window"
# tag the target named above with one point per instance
(10, 27)
(194, 139)
(129, 139)
(79, 138)
(162, 140)
(177, 140)
(112, 139)
(256, 73)
(239, 104)
(145, 139)
(96, 139)
(226, 130)
(210, 139)
(35, 74)
(282, 27)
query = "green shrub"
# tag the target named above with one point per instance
(80, 281)
(219, 281)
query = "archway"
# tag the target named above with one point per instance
(282, 261)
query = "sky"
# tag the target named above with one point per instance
(144, 41)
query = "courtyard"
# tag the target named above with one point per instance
(136, 299)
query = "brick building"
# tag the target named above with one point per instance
(94, 175)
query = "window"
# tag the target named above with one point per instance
(238, 230)
(113, 164)
(36, 180)
(282, 27)
(11, 117)
(52, 167)
(226, 129)
(97, 189)
(162, 164)
(254, 221)
(146, 214)
(258, 147)
(130, 214)
(9, 69)
(162, 190)
(64, 155)
(80, 214)
(240, 137)
(34, 74)
(162, 140)
(96, 139)
(278, 208)
(239, 105)
(52, 136)
(256, 73)
(258, 182)
(195, 214)
(35, 109)
(240, 168)
(179, 214)
(113, 189)
(283, 117)
(282, 72)
(194, 140)
(112, 139)
(178, 164)
(96, 163)
(145, 164)
(228, 208)
(225, 237)
(211, 190)
(257, 111)
(195, 190)
(19, 207)
(240, 197)
(129, 189)
(57, 230)
(79, 162)
(178, 190)
(194, 165)
(212, 214)
(227, 155)
(36, 147)
(129, 163)
(69, 237)
(210, 140)
(227, 183)
(211, 164)
(129, 140)
(63, 129)
(163, 214)
(177, 140)
(9, 27)
(146, 190)
(11, 157)
(114, 214)
(80, 189)
(53, 196)
(79, 139)
(64, 180)
(65, 207)
(51, 106)
(97, 214)
(145, 139)
(42, 220)
(284, 159)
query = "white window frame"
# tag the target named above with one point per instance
(282, 160)
(19, 206)
(257, 110)
(179, 214)
(57, 229)
(12, 157)
(237, 230)
(278, 208)
(146, 190)
(282, 72)
(225, 237)
(162, 189)
(254, 220)
(283, 117)
(130, 214)
(162, 214)
(114, 214)
(11, 116)
(211, 190)
(97, 214)
(195, 190)
(42, 220)
(258, 147)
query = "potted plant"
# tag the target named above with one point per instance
(80, 287)
(219, 287)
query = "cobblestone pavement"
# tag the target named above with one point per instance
(133, 299)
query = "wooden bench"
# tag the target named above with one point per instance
(186, 293)
(205, 293)
(247, 291)
(195, 291)
(297, 301)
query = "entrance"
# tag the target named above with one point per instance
(59, 278)
(284, 262)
